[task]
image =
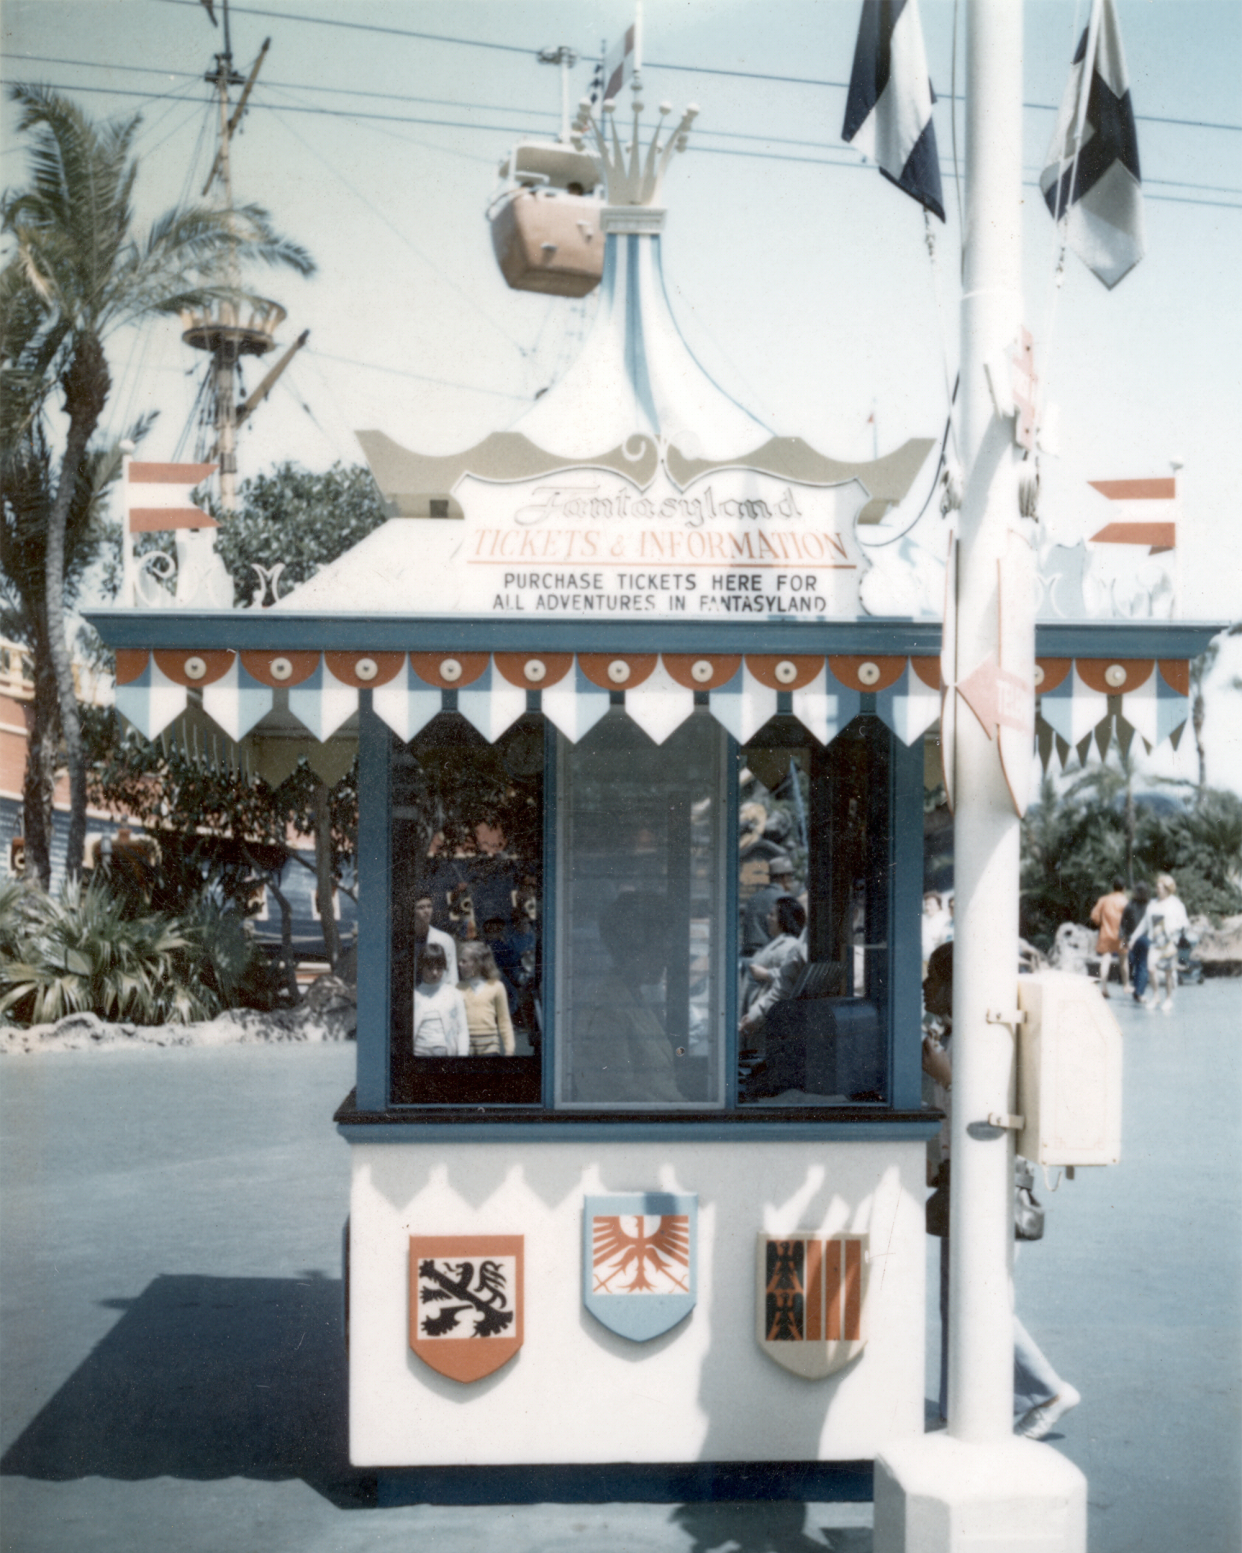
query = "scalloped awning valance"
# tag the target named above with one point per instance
(1080, 699)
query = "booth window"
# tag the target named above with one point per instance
(695, 925)
(467, 873)
(813, 888)
(640, 912)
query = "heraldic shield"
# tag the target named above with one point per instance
(465, 1302)
(812, 1300)
(639, 1250)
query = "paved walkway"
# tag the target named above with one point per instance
(172, 1373)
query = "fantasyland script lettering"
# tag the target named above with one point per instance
(590, 542)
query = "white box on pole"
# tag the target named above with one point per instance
(1069, 1072)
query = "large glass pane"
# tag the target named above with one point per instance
(467, 890)
(812, 934)
(639, 968)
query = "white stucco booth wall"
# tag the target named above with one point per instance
(577, 1393)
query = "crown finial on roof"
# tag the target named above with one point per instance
(633, 179)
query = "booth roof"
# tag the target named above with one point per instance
(258, 687)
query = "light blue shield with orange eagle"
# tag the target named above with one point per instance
(639, 1261)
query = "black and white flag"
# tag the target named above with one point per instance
(888, 114)
(1091, 177)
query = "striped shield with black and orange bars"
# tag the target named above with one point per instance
(811, 1300)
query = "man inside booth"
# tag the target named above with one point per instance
(425, 933)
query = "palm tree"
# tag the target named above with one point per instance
(25, 487)
(91, 273)
(1106, 784)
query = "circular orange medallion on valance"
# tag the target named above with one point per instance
(617, 670)
(450, 670)
(534, 670)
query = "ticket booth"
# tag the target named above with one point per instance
(648, 1241)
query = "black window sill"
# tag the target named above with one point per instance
(433, 1124)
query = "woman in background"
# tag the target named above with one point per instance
(1163, 924)
(774, 971)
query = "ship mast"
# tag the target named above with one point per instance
(218, 328)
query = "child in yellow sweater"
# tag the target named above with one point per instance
(487, 1005)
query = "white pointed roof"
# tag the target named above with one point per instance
(636, 374)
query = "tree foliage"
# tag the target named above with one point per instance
(1073, 844)
(90, 536)
(219, 831)
(450, 782)
(296, 520)
(221, 821)
(80, 271)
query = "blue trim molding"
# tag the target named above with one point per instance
(269, 629)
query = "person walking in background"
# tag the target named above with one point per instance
(1134, 950)
(1163, 924)
(1106, 915)
(935, 925)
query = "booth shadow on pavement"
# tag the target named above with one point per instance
(212, 1378)
(206, 1378)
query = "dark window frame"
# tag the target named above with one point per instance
(898, 801)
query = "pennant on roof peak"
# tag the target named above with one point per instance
(1091, 179)
(620, 62)
(888, 113)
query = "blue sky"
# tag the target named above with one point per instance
(799, 277)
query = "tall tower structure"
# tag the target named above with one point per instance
(230, 327)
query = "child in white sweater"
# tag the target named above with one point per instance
(440, 1025)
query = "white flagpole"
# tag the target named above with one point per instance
(986, 824)
(978, 1484)
(129, 568)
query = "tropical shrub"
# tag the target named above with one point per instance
(84, 953)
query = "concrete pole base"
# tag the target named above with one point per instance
(934, 1493)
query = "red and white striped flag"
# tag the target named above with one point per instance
(157, 496)
(1144, 513)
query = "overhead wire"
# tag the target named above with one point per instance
(403, 237)
(298, 86)
(696, 146)
(395, 32)
(652, 64)
(422, 377)
(953, 96)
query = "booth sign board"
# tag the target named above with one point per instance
(732, 544)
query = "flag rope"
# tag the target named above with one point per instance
(1060, 247)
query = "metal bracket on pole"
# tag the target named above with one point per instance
(999, 375)
(1006, 1016)
(1003, 1119)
